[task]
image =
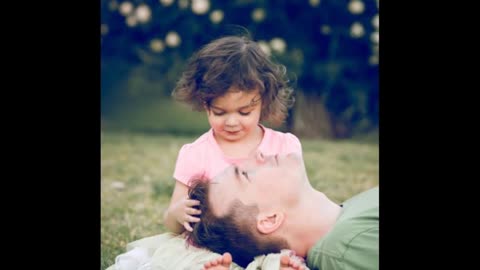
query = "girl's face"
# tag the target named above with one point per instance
(235, 115)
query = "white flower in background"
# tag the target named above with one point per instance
(172, 39)
(131, 21)
(325, 29)
(183, 4)
(258, 14)
(357, 30)
(166, 3)
(216, 16)
(157, 45)
(375, 37)
(278, 45)
(126, 8)
(104, 29)
(200, 7)
(112, 5)
(356, 6)
(373, 60)
(376, 21)
(264, 46)
(143, 13)
(314, 3)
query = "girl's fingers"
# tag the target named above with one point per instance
(187, 226)
(191, 219)
(193, 211)
(189, 202)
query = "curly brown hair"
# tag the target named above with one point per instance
(234, 232)
(235, 61)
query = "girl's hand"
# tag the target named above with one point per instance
(183, 212)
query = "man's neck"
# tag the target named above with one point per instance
(310, 221)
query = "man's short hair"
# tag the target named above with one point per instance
(235, 232)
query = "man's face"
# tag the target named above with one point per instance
(270, 181)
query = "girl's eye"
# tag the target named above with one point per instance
(244, 113)
(246, 175)
(218, 113)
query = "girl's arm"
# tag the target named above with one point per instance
(179, 213)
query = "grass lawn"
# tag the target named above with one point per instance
(136, 180)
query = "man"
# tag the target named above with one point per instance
(268, 205)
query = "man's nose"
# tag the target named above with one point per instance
(259, 157)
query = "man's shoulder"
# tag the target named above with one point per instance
(349, 242)
(358, 221)
(364, 205)
(370, 196)
(353, 229)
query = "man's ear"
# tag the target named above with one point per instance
(269, 222)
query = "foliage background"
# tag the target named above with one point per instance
(330, 49)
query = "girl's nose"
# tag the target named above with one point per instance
(231, 121)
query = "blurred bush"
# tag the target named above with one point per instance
(330, 48)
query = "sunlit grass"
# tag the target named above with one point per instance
(136, 180)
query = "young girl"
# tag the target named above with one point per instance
(238, 86)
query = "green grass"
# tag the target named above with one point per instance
(136, 180)
(155, 115)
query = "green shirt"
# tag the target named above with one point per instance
(353, 241)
